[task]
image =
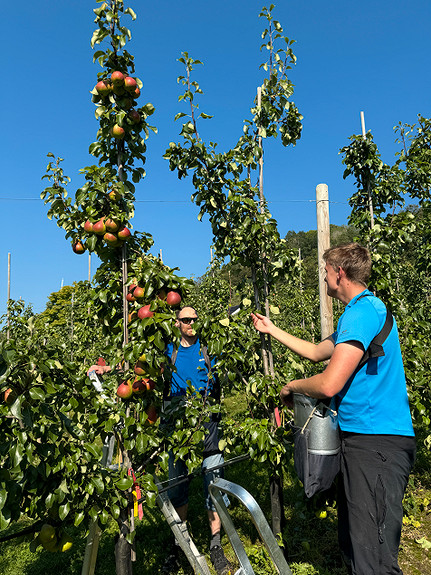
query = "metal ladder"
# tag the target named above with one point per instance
(216, 490)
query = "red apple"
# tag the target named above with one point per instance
(88, 226)
(111, 226)
(136, 92)
(149, 384)
(138, 292)
(173, 298)
(139, 386)
(130, 84)
(124, 233)
(99, 227)
(135, 116)
(111, 239)
(78, 247)
(117, 78)
(130, 297)
(118, 132)
(151, 415)
(132, 287)
(103, 89)
(139, 368)
(124, 390)
(144, 312)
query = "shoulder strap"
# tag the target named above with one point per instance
(174, 355)
(375, 349)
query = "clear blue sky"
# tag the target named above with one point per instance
(352, 56)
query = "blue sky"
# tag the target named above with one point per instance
(352, 56)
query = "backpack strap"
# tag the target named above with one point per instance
(375, 349)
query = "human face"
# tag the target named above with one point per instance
(187, 329)
(332, 280)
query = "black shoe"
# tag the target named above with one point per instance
(171, 565)
(218, 559)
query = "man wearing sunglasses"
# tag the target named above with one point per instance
(192, 365)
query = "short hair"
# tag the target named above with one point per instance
(353, 258)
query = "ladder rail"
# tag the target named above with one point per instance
(220, 486)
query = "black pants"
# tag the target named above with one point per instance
(374, 475)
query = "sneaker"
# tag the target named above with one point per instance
(218, 559)
(171, 564)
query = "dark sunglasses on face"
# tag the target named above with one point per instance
(187, 320)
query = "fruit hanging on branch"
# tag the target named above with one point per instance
(78, 247)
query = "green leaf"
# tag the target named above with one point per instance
(124, 483)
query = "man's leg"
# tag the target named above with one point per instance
(375, 471)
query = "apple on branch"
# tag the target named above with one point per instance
(78, 247)
(118, 132)
(124, 233)
(145, 312)
(124, 390)
(99, 227)
(173, 298)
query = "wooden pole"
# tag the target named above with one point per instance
(323, 243)
(89, 267)
(8, 296)
(368, 190)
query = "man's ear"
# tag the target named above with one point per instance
(341, 273)
(177, 323)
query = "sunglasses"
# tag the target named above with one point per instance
(187, 320)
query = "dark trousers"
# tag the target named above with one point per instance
(374, 475)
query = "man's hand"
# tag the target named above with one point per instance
(286, 396)
(99, 369)
(261, 322)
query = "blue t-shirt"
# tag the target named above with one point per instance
(374, 400)
(190, 366)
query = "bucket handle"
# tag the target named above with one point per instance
(311, 415)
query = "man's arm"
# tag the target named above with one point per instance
(341, 366)
(99, 369)
(306, 349)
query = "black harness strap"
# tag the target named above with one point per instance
(375, 349)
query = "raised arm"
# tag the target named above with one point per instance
(314, 352)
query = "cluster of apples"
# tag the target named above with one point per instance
(53, 540)
(123, 90)
(112, 232)
(139, 385)
(136, 293)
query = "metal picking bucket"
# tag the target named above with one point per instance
(323, 436)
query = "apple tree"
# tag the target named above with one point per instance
(227, 191)
(55, 423)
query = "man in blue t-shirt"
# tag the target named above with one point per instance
(193, 367)
(377, 439)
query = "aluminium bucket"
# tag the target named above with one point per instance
(323, 438)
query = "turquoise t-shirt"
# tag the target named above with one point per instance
(190, 366)
(374, 400)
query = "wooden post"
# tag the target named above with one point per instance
(323, 243)
(368, 190)
(8, 296)
(89, 267)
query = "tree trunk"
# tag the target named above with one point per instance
(123, 549)
(277, 503)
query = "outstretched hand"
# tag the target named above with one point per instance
(261, 322)
(99, 369)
